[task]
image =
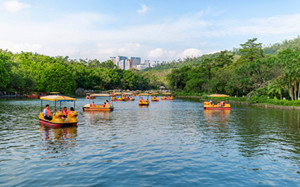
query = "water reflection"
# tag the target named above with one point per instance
(57, 134)
(221, 117)
(97, 116)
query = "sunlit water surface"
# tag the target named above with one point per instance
(169, 143)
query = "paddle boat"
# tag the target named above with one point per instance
(89, 96)
(33, 96)
(154, 99)
(220, 106)
(36, 95)
(98, 107)
(57, 118)
(143, 102)
(167, 98)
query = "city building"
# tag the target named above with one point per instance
(125, 63)
(155, 63)
(135, 61)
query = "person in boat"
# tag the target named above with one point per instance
(93, 104)
(106, 103)
(47, 113)
(71, 109)
(211, 103)
(65, 112)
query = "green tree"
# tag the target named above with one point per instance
(4, 76)
(251, 50)
(56, 77)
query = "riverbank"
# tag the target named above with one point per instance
(236, 101)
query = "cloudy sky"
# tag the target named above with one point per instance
(151, 29)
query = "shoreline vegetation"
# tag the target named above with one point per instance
(243, 101)
(252, 73)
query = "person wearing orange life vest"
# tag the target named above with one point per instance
(65, 112)
(47, 113)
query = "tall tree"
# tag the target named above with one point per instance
(251, 50)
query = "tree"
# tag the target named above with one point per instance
(4, 76)
(56, 77)
(251, 50)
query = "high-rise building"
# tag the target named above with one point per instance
(155, 63)
(120, 61)
(127, 64)
(113, 59)
(135, 61)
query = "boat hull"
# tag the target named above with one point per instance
(141, 104)
(56, 125)
(217, 108)
(97, 109)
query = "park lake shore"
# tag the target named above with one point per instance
(264, 105)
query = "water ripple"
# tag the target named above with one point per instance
(169, 143)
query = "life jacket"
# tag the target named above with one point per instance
(65, 112)
(48, 112)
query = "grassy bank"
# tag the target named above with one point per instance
(258, 101)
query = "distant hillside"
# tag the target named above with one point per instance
(277, 47)
(273, 49)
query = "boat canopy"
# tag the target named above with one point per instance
(117, 93)
(218, 95)
(100, 95)
(57, 98)
(54, 93)
(144, 94)
(127, 93)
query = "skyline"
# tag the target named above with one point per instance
(153, 30)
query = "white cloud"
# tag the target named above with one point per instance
(17, 47)
(159, 54)
(191, 52)
(155, 53)
(89, 35)
(115, 49)
(143, 9)
(15, 6)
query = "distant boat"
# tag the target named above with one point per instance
(98, 107)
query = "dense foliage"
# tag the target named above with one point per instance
(246, 71)
(253, 71)
(27, 72)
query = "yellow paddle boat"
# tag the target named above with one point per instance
(154, 99)
(97, 107)
(167, 98)
(89, 96)
(143, 102)
(57, 119)
(220, 106)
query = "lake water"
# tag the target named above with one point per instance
(169, 143)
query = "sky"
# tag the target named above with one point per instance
(163, 30)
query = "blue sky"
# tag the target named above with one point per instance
(161, 30)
